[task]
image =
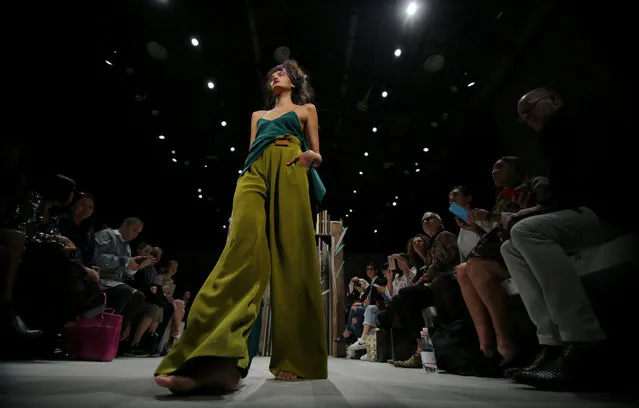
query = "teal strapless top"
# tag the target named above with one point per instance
(267, 131)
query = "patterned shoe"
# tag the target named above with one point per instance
(414, 362)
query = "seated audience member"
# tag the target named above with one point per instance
(359, 287)
(77, 225)
(442, 255)
(145, 338)
(369, 300)
(469, 234)
(12, 240)
(580, 212)
(113, 256)
(481, 276)
(50, 284)
(165, 281)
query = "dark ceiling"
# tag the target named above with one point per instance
(347, 47)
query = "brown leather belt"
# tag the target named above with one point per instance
(281, 142)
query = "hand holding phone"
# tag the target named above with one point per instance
(392, 265)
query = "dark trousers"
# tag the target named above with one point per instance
(448, 299)
(126, 301)
(407, 306)
(166, 318)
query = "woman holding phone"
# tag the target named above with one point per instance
(481, 275)
(272, 241)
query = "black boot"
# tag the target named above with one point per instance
(578, 367)
(547, 354)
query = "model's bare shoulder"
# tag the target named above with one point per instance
(310, 107)
(258, 114)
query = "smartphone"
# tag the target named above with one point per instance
(391, 263)
(140, 261)
(459, 211)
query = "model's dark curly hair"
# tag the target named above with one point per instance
(301, 94)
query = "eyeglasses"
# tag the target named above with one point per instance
(428, 219)
(529, 106)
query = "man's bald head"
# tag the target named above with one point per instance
(538, 106)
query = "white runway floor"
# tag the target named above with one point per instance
(127, 383)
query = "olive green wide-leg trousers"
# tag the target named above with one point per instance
(271, 237)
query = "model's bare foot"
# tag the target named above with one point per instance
(176, 383)
(215, 378)
(284, 376)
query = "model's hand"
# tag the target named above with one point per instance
(308, 158)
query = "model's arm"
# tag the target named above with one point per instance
(256, 116)
(312, 132)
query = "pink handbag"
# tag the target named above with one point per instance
(96, 338)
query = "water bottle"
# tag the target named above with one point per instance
(428, 352)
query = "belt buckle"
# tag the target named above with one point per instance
(281, 142)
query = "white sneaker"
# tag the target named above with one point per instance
(358, 345)
(364, 357)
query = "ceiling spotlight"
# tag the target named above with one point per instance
(161, 137)
(172, 151)
(425, 149)
(354, 191)
(374, 130)
(416, 170)
(223, 123)
(206, 165)
(416, 164)
(361, 173)
(398, 52)
(199, 190)
(223, 226)
(174, 160)
(350, 210)
(471, 84)
(366, 154)
(211, 85)
(394, 203)
(384, 94)
(232, 149)
(108, 62)
(199, 196)
(194, 42)
(396, 198)
(375, 231)
(411, 9)
(239, 171)
(346, 215)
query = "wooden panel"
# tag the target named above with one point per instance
(338, 292)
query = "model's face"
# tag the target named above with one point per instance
(418, 244)
(83, 208)
(281, 81)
